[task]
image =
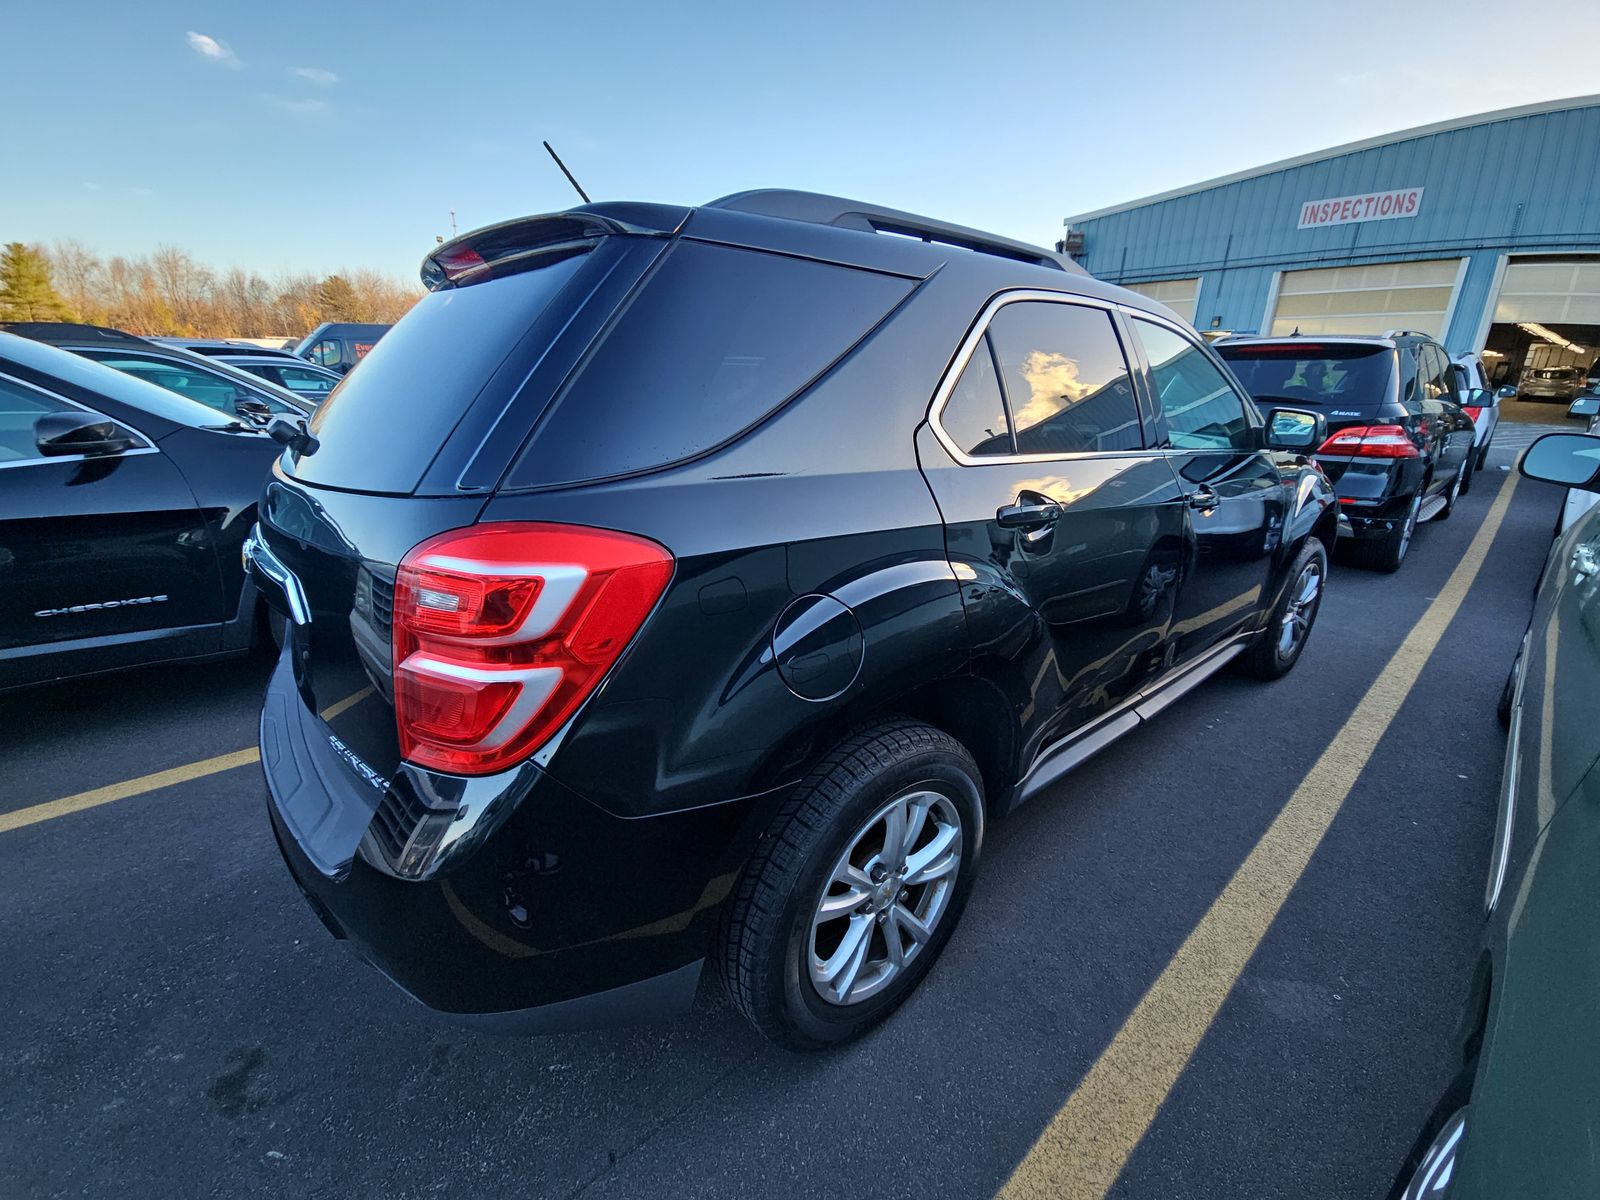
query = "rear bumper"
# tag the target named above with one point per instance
(564, 917)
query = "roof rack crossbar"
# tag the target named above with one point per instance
(819, 209)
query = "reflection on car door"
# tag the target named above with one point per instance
(1236, 505)
(1067, 531)
(98, 551)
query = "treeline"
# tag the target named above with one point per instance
(169, 292)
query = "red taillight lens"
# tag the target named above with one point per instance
(1472, 410)
(1371, 441)
(501, 631)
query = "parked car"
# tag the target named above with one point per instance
(1519, 1119)
(207, 381)
(339, 345)
(123, 509)
(311, 383)
(1479, 401)
(1592, 376)
(224, 347)
(722, 574)
(1552, 383)
(1400, 449)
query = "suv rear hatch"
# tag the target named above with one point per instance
(1351, 384)
(625, 349)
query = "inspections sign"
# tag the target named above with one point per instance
(1374, 206)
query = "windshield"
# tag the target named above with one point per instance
(85, 373)
(1349, 377)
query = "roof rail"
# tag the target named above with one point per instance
(1407, 333)
(819, 209)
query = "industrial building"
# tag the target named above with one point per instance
(1483, 231)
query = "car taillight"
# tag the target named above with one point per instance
(1371, 441)
(1472, 410)
(501, 631)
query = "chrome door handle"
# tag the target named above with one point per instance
(1203, 498)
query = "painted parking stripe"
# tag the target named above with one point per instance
(95, 797)
(1087, 1143)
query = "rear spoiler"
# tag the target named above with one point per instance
(506, 248)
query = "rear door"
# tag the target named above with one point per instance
(1236, 505)
(1445, 429)
(95, 551)
(1067, 525)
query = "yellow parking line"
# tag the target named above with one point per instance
(121, 791)
(149, 783)
(1089, 1140)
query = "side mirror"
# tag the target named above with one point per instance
(62, 433)
(1505, 391)
(1570, 459)
(1584, 406)
(1295, 429)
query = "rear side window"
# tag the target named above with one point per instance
(717, 339)
(1065, 378)
(1339, 379)
(975, 415)
(387, 421)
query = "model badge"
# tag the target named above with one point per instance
(361, 768)
(103, 604)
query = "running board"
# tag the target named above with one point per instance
(1431, 508)
(1078, 747)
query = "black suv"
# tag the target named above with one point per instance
(675, 584)
(1400, 447)
(123, 512)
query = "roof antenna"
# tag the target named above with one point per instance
(566, 172)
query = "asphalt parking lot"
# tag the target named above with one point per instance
(179, 1024)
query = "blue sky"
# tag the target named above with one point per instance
(317, 136)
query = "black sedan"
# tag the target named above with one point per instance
(123, 508)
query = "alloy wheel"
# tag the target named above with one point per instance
(1302, 610)
(884, 897)
(1411, 524)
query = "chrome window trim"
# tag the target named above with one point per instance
(148, 447)
(952, 376)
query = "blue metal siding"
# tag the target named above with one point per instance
(1526, 184)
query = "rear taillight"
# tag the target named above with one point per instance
(501, 631)
(1472, 410)
(1371, 441)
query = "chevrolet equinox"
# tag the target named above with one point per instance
(676, 586)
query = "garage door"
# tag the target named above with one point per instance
(1550, 293)
(1369, 299)
(1177, 294)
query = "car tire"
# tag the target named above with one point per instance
(1278, 647)
(818, 858)
(1483, 454)
(1386, 553)
(271, 631)
(1458, 488)
(1468, 469)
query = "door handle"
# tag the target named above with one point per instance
(1203, 498)
(1028, 513)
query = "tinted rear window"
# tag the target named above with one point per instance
(1339, 379)
(716, 340)
(386, 421)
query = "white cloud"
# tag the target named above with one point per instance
(302, 107)
(317, 75)
(210, 48)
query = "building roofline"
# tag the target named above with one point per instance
(1387, 139)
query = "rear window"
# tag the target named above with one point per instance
(386, 421)
(718, 339)
(1341, 380)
